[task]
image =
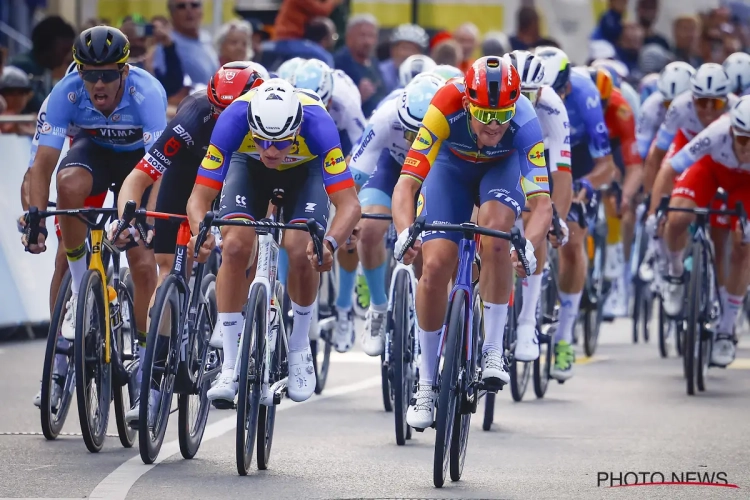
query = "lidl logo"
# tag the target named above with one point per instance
(213, 159)
(536, 155)
(420, 204)
(423, 140)
(334, 163)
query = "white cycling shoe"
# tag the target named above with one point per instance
(68, 329)
(134, 413)
(616, 305)
(494, 367)
(343, 333)
(373, 338)
(420, 414)
(527, 344)
(674, 294)
(615, 263)
(225, 387)
(723, 350)
(301, 384)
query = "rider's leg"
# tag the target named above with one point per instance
(573, 267)
(527, 346)
(373, 255)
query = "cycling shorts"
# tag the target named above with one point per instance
(249, 186)
(378, 189)
(453, 185)
(617, 156)
(96, 201)
(176, 187)
(581, 161)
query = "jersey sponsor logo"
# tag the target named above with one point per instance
(455, 118)
(601, 128)
(541, 178)
(147, 137)
(117, 132)
(565, 154)
(46, 128)
(412, 162)
(214, 159)
(155, 163)
(334, 163)
(420, 203)
(699, 145)
(131, 90)
(161, 156)
(229, 75)
(184, 135)
(593, 102)
(536, 155)
(364, 144)
(72, 97)
(116, 117)
(623, 113)
(549, 109)
(423, 140)
(172, 146)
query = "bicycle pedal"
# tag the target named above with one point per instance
(418, 429)
(221, 404)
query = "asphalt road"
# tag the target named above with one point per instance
(625, 410)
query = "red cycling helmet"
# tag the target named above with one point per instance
(492, 82)
(230, 82)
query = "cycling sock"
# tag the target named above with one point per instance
(495, 316)
(231, 330)
(723, 296)
(614, 233)
(283, 269)
(569, 304)
(731, 307)
(531, 290)
(428, 345)
(299, 339)
(77, 265)
(346, 288)
(376, 284)
(676, 265)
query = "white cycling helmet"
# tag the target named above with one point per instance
(275, 111)
(740, 115)
(710, 80)
(556, 67)
(674, 79)
(447, 71)
(613, 66)
(414, 102)
(317, 76)
(287, 68)
(412, 66)
(530, 68)
(737, 66)
(428, 77)
(260, 69)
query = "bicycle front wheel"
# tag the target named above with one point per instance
(402, 356)
(694, 315)
(520, 371)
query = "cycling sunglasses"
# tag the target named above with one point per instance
(487, 116)
(277, 143)
(715, 103)
(105, 75)
(531, 95)
(410, 136)
(741, 137)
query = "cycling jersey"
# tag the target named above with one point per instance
(584, 107)
(446, 121)
(317, 137)
(649, 119)
(346, 109)
(621, 124)
(681, 119)
(41, 119)
(714, 141)
(630, 95)
(553, 118)
(137, 121)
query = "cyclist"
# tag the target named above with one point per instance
(379, 157)
(553, 119)
(287, 69)
(413, 66)
(737, 67)
(592, 166)
(495, 152)
(120, 109)
(648, 85)
(717, 157)
(284, 138)
(446, 71)
(620, 73)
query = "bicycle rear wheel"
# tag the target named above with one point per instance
(597, 295)
(520, 371)
(665, 326)
(252, 352)
(93, 374)
(124, 336)
(402, 356)
(58, 375)
(694, 315)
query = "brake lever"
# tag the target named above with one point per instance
(519, 243)
(315, 233)
(203, 229)
(416, 229)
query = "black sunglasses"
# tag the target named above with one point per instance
(105, 75)
(183, 6)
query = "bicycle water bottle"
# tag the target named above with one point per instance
(114, 307)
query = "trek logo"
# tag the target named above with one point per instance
(179, 130)
(454, 119)
(240, 201)
(509, 202)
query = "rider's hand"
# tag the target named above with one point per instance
(351, 242)
(327, 257)
(742, 234)
(517, 265)
(411, 253)
(651, 224)
(21, 223)
(206, 248)
(41, 238)
(557, 243)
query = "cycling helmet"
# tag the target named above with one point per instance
(492, 82)
(287, 68)
(274, 111)
(447, 71)
(231, 81)
(737, 66)
(101, 45)
(410, 33)
(426, 77)
(617, 69)
(414, 65)
(71, 68)
(674, 79)
(530, 68)
(556, 67)
(603, 80)
(648, 85)
(740, 115)
(710, 80)
(260, 69)
(415, 101)
(317, 76)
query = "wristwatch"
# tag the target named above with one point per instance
(334, 244)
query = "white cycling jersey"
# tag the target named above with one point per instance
(553, 118)
(41, 119)
(715, 141)
(346, 106)
(648, 120)
(384, 132)
(681, 117)
(630, 95)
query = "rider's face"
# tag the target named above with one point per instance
(488, 135)
(741, 147)
(103, 83)
(709, 109)
(272, 157)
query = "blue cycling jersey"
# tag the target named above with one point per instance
(136, 123)
(586, 117)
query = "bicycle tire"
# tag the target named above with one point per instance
(402, 356)
(593, 315)
(448, 399)
(190, 431)
(167, 306)
(88, 356)
(548, 301)
(693, 333)
(705, 341)
(520, 371)
(664, 326)
(385, 384)
(53, 421)
(123, 337)
(250, 376)
(489, 411)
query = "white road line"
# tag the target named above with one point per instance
(117, 484)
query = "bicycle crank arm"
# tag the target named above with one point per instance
(273, 395)
(327, 323)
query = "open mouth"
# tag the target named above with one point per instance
(100, 99)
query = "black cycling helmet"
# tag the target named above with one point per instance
(101, 45)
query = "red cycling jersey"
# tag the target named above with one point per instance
(621, 124)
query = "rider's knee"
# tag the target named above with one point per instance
(142, 266)
(679, 221)
(69, 185)
(238, 246)
(437, 269)
(296, 247)
(371, 233)
(740, 251)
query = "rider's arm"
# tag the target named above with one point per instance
(598, 134)
(629, 149)
(371, 144)
(647, 123)
(556, 128)
(664, 137)
(529, 147)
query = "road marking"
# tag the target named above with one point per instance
(117, 484)
(593, 359)
(740, 364)
(354, 357)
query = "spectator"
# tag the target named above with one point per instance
(653, 58)
(170, 75)
(322, 31)
(647, 12)
(685, 31)
(528, 35)
(15, 92)
(356, 60)
(260, 34)
(406, 40)
(294, 15)
(320, 36)
(710, 46)
(467, 36)
(197, 55)
(629, 45)
(496, 43)
(610, 24)
(233, 42)
(134, 27)
(447, 52)
(52, 47)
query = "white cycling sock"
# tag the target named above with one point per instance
(77, 270)
(676, 265)
(532, 287)
(495, 316)
(428, 344)
(731, 307)
(569, 305)
(231, 325)
(299, 339)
